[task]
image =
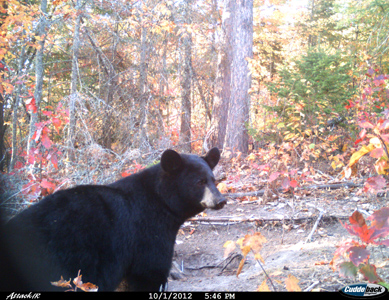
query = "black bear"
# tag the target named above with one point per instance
(122, 231)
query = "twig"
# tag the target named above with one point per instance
(310, 288)
(324, 174)
(316, 223)
(263, 269)
(230, 259)
(13, 195)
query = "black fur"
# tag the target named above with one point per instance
(125, 230)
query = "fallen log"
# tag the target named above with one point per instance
(310, 187)
(231, 219)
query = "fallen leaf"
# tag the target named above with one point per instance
(222, 187)
(292, 284)
(251, 157)
(263, 287)
(255, 241)
(62, 283)
(240, 266)
(230, 247)
(361, 152)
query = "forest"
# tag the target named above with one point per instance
(294, 93)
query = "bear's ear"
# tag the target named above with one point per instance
(212, 157)
(171, 161)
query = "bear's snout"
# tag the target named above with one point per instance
(221, 203)
(212, 199)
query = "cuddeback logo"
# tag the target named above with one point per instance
(360, 290)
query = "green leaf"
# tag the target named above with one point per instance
(384, 284)
(369, 273)
(348, 269)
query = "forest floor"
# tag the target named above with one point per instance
(286, 222)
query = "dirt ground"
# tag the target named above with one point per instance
(199, 262)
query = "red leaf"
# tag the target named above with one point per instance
(384, 125)
(380, 218)
(274, 176)
(261, 167)
(285, 183)
(31, 105)
(368, 91)
(37, 134)
(47, 113)
(362, 133)
(359, 255)
(374, 184)
(57, 124)
(359, 228)
(54, 160)
(378, 82)
(379, 233)
(127, 173)
(31, 157)
(351, 104)
(344, 247)
(357, 218)
(365, 124)
(384, 242)
(18, 165)
(47, 184)
(385, 137)
(46, 141)
(294, 183)
(377, 153)
(358, 141)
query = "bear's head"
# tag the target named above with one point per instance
(190, 177)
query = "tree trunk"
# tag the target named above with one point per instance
(223, 77)
(39, 72)
(111, 82)
(143, 64)
(73, 85)
(312, 37)
(108, 131)
(186, 111)
(163, 88)
(236, 138)
(231, 104)
(143, 91)
(15, 111)
(2, 132)
(3, 127)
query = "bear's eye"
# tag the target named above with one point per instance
(202, 182)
